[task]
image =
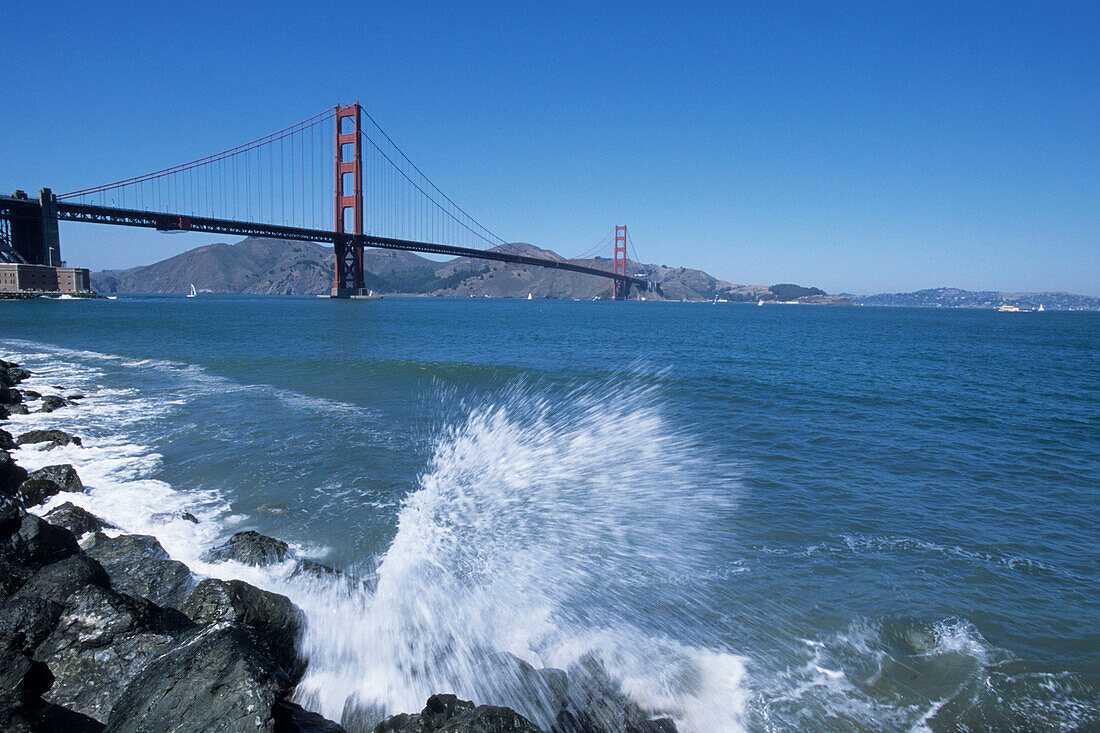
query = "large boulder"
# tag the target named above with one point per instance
(62, 474)
(593, 701)
(274, 623)
(35, 542)
(7, 442)
(57, 581)
(52, 438)
(11, 474)
(19, 409)
(138, 565)
(75, 519)
(53, 402)
(214, 680)
(35, 491)
(9, 395)
(104, 639)
(293, 718)
(250, 548)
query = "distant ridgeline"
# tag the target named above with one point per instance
(956, 298)
(278, 267)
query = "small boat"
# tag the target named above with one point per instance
(715, 300)
(760, 302)
(528, 296)
(1006, 308)
(193, 293)
(1040, 309)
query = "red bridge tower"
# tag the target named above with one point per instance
(349, 199)
(620, 288)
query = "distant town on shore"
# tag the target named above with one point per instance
(277, 267)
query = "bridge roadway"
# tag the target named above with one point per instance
(95, 214)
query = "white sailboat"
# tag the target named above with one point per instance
(193, 292)
(1041, 308)
(528, 296)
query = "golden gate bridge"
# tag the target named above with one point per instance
(276, 186)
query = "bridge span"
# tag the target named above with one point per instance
(253, 178)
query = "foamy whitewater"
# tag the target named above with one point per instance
(483, 520)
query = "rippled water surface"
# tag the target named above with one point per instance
(779, 518)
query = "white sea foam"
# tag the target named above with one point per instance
(538, 530)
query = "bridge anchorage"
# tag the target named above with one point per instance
(249, 189)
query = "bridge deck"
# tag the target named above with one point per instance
(164, 222)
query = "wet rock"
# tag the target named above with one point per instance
(11, 474)
(57, 581)
(73, 397)
(4, 412)
(104, 639)
(292, 718)
(30, 394)
(63, 474)
(313, 569)
(449, 714)
(275, 510)
(138, 565)
(16, 374)
(593, 701)
(53, 438)
(53, 402)
(26, 621)
(214, 680)
(7, 442)
(274, 623)
(75, 519)
(250, 548)
(17, 410)
(9, 395)
(36, 542)
(33, 492)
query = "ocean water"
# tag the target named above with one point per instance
(760, 519)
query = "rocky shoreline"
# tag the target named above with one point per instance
(103, 631)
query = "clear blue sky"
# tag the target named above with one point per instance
(859, 147)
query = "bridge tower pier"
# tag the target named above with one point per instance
(32, 228)
(621, 287)
(348, 249)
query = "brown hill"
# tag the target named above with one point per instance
(278, 267)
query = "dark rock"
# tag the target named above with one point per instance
(275, 510)
(21, 678)
(9, 395)
(250, 548)
(11, 474)
(447, 713)
(74, 397)
(56, 719)
(273, 622)
(17, 374)
(53, 402)
(25, 622)
(165, 517)
(6, 441)
(18, 410)
(75, 519)
(593, 701)
(63, 474)
(293, 718)
(11, 514)
(313, 569)
(214, 680)
(57, 581)
(104, 639)
(138, 565)
(33, 491)
(36, 542)
(7, 364)
(53, 437)
(4, 412)
(30, 394)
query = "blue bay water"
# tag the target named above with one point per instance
(778, 518)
